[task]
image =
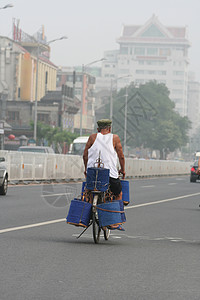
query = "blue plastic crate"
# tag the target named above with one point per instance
(79, 213)
(125, 191)
(97, 179)
(109, 213)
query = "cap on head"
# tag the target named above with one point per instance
(104, 123)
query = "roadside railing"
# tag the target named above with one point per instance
(24, 166)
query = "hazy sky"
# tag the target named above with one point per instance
(93, 26)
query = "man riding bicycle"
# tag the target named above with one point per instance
(109, 146)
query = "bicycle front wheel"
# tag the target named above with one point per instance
(96, 229)
(106, 233)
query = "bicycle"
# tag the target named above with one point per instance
(97, 192)
(96, 197)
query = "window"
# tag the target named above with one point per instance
(79, 78)
(13, 115)
(92, 80)
(177, 73)
(139, 51)
(176, 91)
(155, 62)
(70, 78)
(77, 92)
(178, 82)
(124, 71)
(161, 72)
(124, 50)
(151, 72)
(139, 81)
(139, 71)
(152, 51)
(43, 118)
(165, 52)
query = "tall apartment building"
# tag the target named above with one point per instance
(151, 52)
(84, 87)
(18, 73)
(193, 112)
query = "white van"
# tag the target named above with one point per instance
(78, 145)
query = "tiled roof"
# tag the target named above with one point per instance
(178, 32)
(46, 60)
(130, 30)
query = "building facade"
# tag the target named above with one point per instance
(193, 111)
(151, 52)
(18, 73)
(83, 85)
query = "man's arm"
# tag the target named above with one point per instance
(120, 154)
(85, 153)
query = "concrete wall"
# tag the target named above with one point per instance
(30, 166)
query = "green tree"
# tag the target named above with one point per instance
(151, 119)
(53, 135)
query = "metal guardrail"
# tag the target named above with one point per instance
(24, 166)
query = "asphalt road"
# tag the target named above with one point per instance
(157, 257)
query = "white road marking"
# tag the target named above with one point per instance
(32, 225)
(162, 201)
(147, 186)
(53, 195)
(172, 183)
(64, 220)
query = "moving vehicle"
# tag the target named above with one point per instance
(3, 177)
(38, 149)
(78, 145)
(193, 175)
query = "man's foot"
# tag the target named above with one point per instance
(119, 227)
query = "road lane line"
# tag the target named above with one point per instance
(32, 225)
(162, 201)
(64, 220)
(172, 183)
(147, 186)
(52, 195)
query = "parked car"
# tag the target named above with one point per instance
(3, 177)
(38, 149)
(193, 175)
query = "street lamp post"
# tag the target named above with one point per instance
(125, 119)
(111, 90)
(7, 6)
(3, 114)
(82, 91)
(36, 85)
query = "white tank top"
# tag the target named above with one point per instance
(108, 155)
